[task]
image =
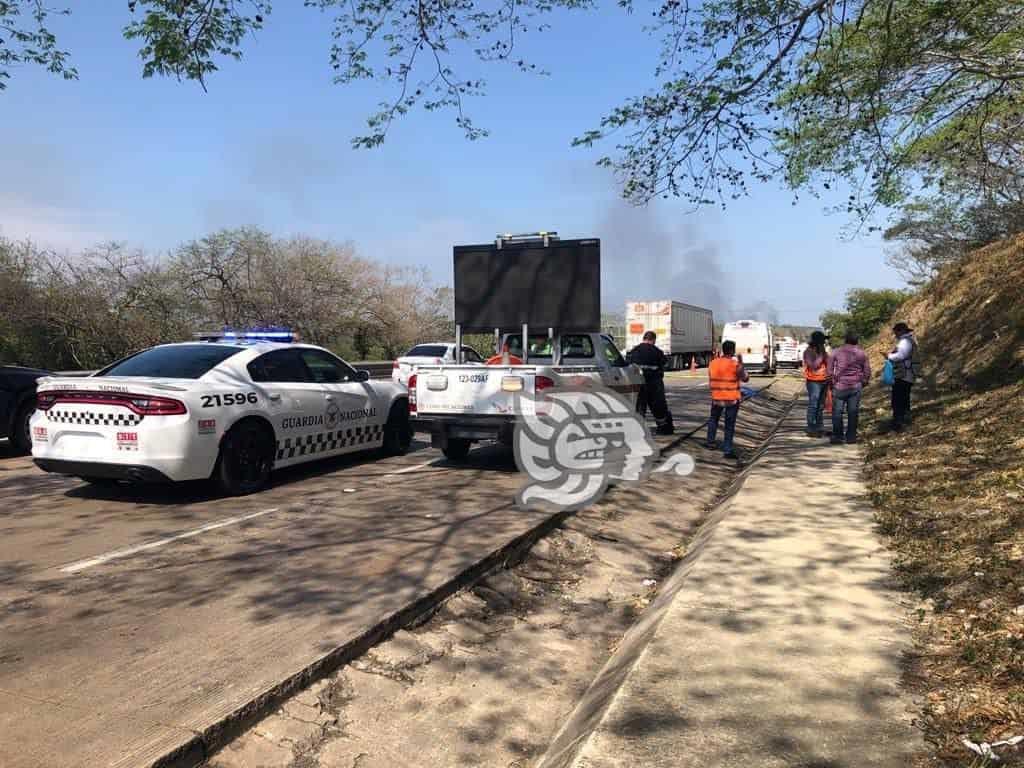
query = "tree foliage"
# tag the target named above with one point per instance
(184, 38)
(935, 231)
(884, 95)
(83, 311)
(26, 39)
(866, 311)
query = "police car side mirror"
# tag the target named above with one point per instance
(362, 375)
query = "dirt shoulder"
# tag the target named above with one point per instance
(949, 495)
(490, 677)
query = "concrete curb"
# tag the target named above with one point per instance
(593, 706)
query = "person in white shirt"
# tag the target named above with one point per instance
(902, 358)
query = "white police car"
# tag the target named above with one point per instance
(231, 409)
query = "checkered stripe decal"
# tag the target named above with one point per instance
(94, 418)
(322, 442)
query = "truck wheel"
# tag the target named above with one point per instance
(246, 457)
(397, 430)
(21, 435)
(456, 450)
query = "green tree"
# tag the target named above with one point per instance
(865, 312)
(886, 95)
(935, 231)
(26, 39)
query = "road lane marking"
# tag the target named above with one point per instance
(413, 468)
(81, 565)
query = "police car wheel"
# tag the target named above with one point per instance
(397, 431)
(246, 456)
(21, 435)
(457, 449)
(101, 482)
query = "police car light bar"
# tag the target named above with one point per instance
(248, 335)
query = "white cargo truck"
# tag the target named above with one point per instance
(755, 343)
(684, 332)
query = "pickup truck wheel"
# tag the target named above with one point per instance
(246, 457)
(397, 430)
(21, 435)
(457, 449)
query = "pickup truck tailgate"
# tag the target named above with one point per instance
(476, 390)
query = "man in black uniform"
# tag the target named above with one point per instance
(652, 361)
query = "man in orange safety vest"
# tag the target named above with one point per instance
(725, 374)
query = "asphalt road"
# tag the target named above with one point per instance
(133, 618)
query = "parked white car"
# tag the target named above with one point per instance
(432, 353)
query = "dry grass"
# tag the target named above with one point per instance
(949, 494)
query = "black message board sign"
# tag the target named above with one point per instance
(547, 286)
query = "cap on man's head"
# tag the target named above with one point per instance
(650, 336)
(901, 328)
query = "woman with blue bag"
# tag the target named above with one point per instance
(888, 374)
(903, 361)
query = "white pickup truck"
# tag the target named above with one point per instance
(464, 404)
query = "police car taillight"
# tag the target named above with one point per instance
(144, 405)
(412, 394)
(45, 400)
(157, 406)
(395, 365)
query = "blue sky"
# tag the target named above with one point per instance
(157, 162)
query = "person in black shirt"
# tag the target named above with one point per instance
(652, 362)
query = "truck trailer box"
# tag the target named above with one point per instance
(684, 332)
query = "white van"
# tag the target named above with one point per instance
(755, 343)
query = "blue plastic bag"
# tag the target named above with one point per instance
(888, 374)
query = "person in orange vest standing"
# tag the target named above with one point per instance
(816, 359)
(725, 375)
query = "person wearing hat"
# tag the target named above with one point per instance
(902, 357)
(816, 360)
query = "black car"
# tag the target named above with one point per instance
(18, 403)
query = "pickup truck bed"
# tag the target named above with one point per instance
(463, 404)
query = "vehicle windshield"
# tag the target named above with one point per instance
(428, 350)
(176, 361)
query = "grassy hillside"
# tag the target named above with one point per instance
(949, 494)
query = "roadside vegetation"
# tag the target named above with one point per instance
(949, 495)
(865, 311)
(82, 311)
